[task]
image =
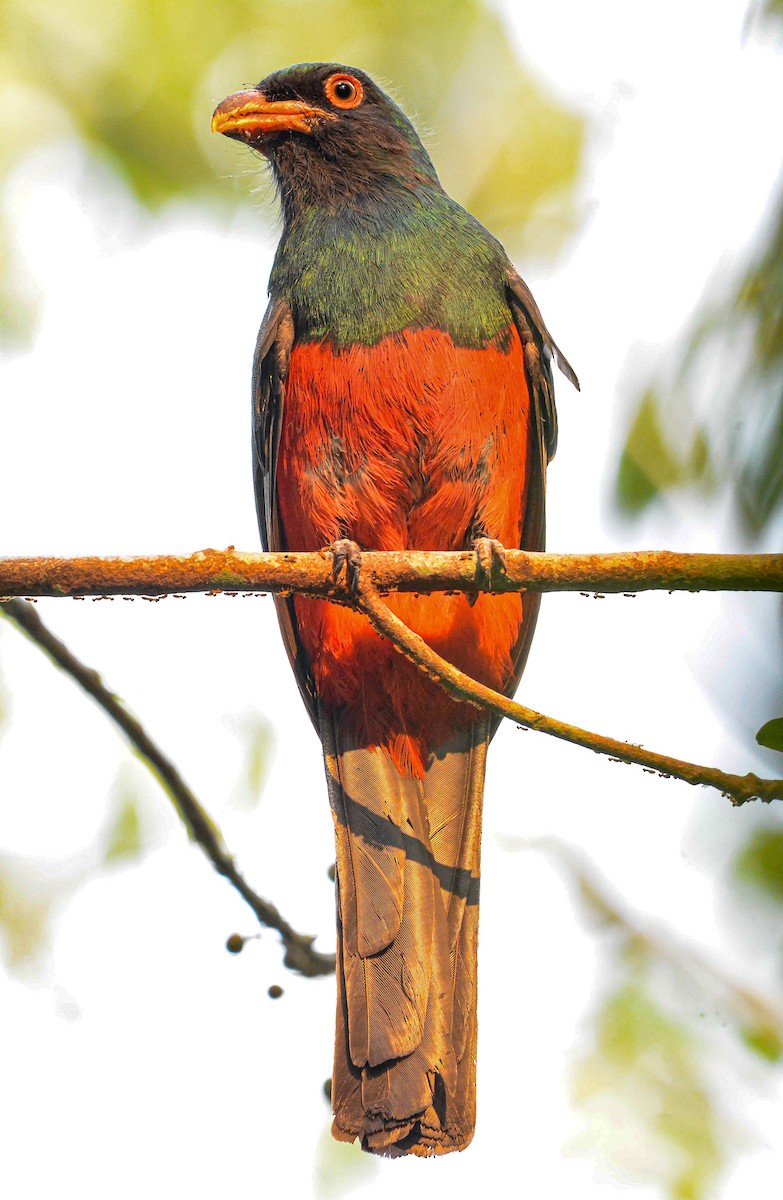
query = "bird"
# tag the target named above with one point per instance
(403, 399)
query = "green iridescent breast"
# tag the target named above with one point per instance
(419, 261)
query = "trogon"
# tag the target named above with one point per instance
(402, 399)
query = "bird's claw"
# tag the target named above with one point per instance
(490, 554)
(346, 554)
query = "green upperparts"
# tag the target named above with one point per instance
(417, 261)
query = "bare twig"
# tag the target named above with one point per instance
(409, 571)
(299, 953)
(383, 620)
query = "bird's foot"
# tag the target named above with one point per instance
(490, 554)
(346, 554)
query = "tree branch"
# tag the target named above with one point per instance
(409, 571)
(299, 953)
(739, 788)
(417, 571)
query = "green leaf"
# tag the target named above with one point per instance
(698, 465)
(634, 489)
(771, 734)
(765, 1041)
(125, 836)
(760, 862)
(648, 464)
(653, 461)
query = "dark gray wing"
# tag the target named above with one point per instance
(539, 349)
(270, 369)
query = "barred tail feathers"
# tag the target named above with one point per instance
(407, 872)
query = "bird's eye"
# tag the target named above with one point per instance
(344, 91)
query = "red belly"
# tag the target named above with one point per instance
(414, 443)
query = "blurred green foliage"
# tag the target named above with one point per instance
(340, 1168)
(771, 734)
(712, 423)
(771, 10)
(760, 862)
(765, 1041)
(649, 464)
(678, 436)
(26, 908)
(124, 840)
(32, 895)
(647, 1104)
(645, 1085)
(739, 439)
(258, 742)
(760, 299)
(137, 80)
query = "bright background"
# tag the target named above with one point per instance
(630, 1000)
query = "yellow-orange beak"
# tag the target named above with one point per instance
(250, 116)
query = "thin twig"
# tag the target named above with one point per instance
(299, 953)
(409, 571)
(738, 788)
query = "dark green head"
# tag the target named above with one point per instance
(333, 138)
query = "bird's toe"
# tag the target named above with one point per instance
(346, 556)
(490, 554)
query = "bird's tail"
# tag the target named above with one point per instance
(407, 885)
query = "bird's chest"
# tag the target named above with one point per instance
(378, 442)
(360, 278)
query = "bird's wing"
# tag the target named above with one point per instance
(270, 368)
(539, 349)
(523, 298)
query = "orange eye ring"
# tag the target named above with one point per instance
(343, 91)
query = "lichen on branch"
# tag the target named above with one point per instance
(231, 570)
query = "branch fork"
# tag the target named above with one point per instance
(738, 788)
(232, 572)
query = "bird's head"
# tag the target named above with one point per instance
(332, 136)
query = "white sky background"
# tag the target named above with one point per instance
(141, 1056)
